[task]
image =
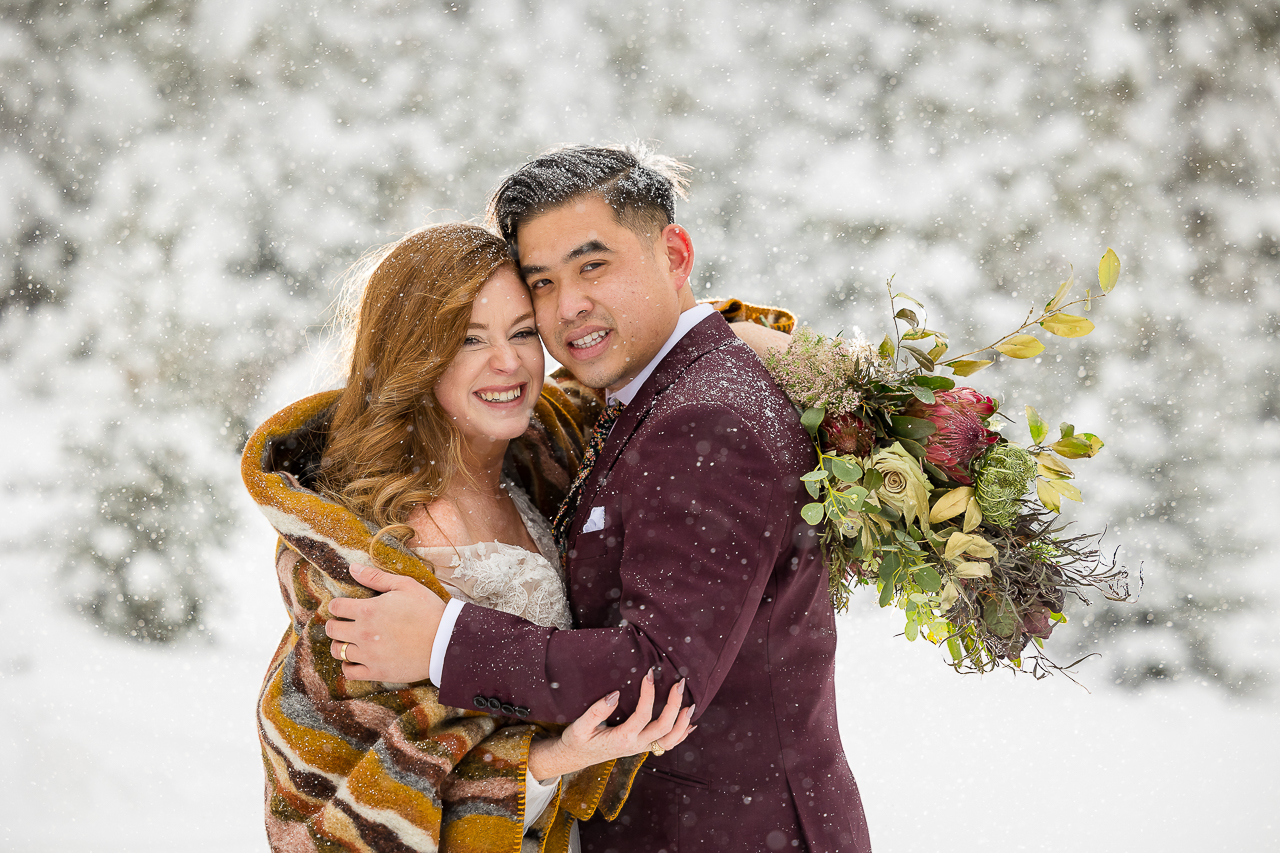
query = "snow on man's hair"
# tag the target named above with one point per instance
(639, 184)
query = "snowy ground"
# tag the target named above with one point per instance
(112, 746)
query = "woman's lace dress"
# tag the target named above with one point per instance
(513, 580)
(507, 577)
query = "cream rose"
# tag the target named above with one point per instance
(905, 487)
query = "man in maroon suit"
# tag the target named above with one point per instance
(685, 549)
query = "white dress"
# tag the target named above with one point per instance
(513, 580)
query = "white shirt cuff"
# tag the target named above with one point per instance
(537, 796)
(444, 632)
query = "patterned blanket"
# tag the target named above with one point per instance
(357, 765)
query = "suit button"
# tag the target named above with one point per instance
(508, 710)
(522, 711)
(494, 704)
(480, 702)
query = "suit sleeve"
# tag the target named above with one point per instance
(707, 511)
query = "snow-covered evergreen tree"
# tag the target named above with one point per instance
(184, 180)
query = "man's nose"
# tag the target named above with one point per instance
(572, 300)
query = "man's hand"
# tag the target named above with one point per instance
(389, 637)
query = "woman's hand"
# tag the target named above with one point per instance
(589, 741)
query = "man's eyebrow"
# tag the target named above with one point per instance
(590, 247)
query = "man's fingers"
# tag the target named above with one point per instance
(346, 608)
(374, 578)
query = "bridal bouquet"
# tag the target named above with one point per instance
(918, 493)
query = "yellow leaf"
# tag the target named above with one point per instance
(966, 367)
(979, 547)
(1067, 325)
(1048, 496)
(1021, 346)
(949, 596)
(1063, 289)
(1054, 463)
(1108, 271)
(956, 544)
(973, 569)
(1067, 490)
(972, 516)
(951, 504)
(938, 351)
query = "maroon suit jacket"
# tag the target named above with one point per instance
(705, 569)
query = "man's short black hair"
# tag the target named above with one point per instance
(639, 185)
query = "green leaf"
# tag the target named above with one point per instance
(928, 579)
(924, 395)
(812, 419)
(814, 488)
(967, 367)
(903, 426)
(1039, 429)
(818, 474)
(1062, 291)
(1094, 442)
(936, 473)
(872, 479)
(886, 594)
(1067, 325)
(813, 513)
(886, 348)
(1075, 447)
(908, 315)
(953, 646)
(1020, 346)
(1108, 271)
(915, 448)
(913, 628)
(934, 383)
(845, 470)
(921, 357)
(888, 512)
(1066, 430)
(917, 334)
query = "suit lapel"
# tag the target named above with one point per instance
(710, 334)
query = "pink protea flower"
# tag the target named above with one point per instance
(849, 434)
(960, 417)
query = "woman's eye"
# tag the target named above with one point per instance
(471, 340)
(525, 334)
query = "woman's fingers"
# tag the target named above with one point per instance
(667, 719)
(679, 731)
(633, 725)
(594, 717)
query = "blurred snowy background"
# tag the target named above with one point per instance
(183, 182)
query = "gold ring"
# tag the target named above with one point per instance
(656, 748)
(342, 653)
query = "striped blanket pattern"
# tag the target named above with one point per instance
(366, 766)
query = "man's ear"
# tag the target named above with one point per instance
(677, 247)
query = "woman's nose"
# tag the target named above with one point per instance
(504, 359)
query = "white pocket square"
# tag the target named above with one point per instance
(595, 521)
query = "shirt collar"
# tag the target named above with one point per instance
(688, 319)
